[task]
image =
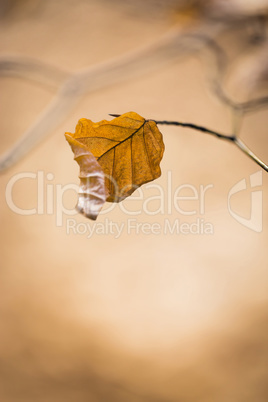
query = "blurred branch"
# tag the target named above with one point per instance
(33, 70)
(216, 78)
(173, 45)
(72, 86)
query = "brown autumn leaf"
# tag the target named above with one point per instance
(115, 158)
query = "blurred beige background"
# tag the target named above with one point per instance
(167, 317)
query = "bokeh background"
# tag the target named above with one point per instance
(168, 317)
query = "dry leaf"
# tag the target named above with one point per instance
(91, 196)
(115, 158)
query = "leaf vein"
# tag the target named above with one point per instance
(103, 138)
(118, 145)
(146, 150)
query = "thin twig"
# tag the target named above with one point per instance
(232, 138)
(240, 144)
(196, 127)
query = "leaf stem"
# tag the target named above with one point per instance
(233, 138)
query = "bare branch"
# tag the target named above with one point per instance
(231, 138)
